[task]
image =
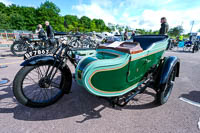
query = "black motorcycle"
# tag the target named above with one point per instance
(44, 78)
(196, 46)
(25, 44)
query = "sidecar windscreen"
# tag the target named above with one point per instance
(147, 40)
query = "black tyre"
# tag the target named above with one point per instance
(165, 90)
(18, 48)
(195, 48)
(33, 89)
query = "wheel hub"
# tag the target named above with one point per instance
(44, 83)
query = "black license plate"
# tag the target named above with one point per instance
(34, 53)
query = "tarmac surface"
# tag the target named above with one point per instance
(81, 112)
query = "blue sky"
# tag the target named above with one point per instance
(134, 13)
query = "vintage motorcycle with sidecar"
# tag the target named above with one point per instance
(117, 71)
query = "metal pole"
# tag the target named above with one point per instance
(6, 35)
(192, 26)
(181, 23)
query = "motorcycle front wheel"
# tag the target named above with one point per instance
(41, 85)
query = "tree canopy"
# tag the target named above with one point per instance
(176, 31)
(27, 18)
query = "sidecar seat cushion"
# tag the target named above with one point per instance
(133, 47)
(126, 47)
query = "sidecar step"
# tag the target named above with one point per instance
(127, 99)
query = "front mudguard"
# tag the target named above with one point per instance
(38, 60)
(169, 63)
(45, 59)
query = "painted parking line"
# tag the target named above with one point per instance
(3, 66)
(11, 57)
(10, 63)
(190, 102)
(4, 81)
(194, 104)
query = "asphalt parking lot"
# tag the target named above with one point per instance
(81, 112)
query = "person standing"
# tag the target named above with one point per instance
(164, 26)
(49, 30)
(40, 31)
(125, 35)
(133, 35)
(181, 37)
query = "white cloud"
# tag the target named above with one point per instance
(150, 19)
(104, 3)
(95, 11)
(126, 13)
(6, 2)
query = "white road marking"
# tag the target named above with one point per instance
(10, 63)
(190, 102)
(4, 57)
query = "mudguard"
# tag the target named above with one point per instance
(44, 59)
(168, 65)
(38, 60)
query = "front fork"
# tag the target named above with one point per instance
(51, 71)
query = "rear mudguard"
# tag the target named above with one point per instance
(170, 63)
(44, 59)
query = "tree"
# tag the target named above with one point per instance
(50, 6)
(71, 22)
(85, 23)
(48, 11)
(93, 25)
(4, 19)
(17, 22)
(176, 31)
(2, 7)
(27, 18)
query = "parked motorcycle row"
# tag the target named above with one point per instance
(184, 45)
(26, 43)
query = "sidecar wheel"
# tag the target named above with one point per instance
(165, 90)
(33, 89)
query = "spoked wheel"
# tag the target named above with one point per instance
(42, 85)
(18, 49)
(166, 89)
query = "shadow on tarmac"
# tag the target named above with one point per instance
(193, 96)
(79, 102)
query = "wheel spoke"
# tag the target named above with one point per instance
(45, 90)
(39, 72)
(32, 79)
(37, 88)
(53, 84)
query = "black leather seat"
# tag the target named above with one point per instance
(147, 40)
